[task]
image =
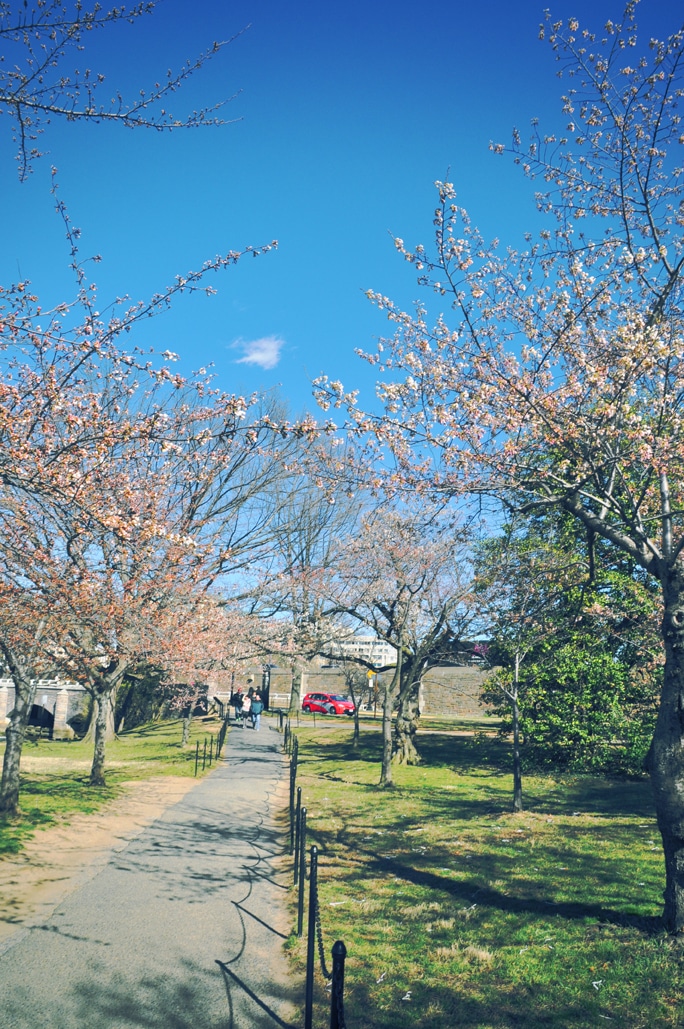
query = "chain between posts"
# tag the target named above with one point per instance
(315, 931)
(313, 900)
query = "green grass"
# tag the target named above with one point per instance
(477, 916)
(54, 774)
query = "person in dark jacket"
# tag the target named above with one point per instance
(236, 701)
(255, 710)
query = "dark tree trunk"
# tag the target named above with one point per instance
(125, 707)
(24, 694)
(667, 752)
(408, 711)
(296, 692)
(105, 699)
(517, 767)
(406, 725)
(22, 670)
(102, 707)
(386, 771)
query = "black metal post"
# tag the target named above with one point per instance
(302, 872)
(339, 953)
(211, 751)
(281, 716)
(293, 779)
(298, 816)
(311, 942)
(196, 756)
(204, 754)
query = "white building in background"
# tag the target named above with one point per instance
(377, 653)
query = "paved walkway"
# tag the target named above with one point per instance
(183, 929)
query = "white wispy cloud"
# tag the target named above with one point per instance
(264, 352)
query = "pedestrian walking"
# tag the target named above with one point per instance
(236, 701)
(256, 708)
(246, 706)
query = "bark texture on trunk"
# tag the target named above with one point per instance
(517, 766)
(187, 719)
(295, 692)
(408, 710)
(667, 753)
(24, 695)
(105, 698)
(102, 704)
(110, 727)
(406, 726)
(386, 771)
(388, 697)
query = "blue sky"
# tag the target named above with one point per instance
(348, 112)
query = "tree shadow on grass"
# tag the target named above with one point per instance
(490, 759)
(489, 865)
(437, 1008)
(188, 996)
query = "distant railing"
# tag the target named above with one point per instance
(207, 757)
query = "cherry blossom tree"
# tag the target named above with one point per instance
(554, 377)
(39, 83)
(404, 575)
(106, 453)
(206, 651)
(520, 579)
(26, 618)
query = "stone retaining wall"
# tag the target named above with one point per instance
(61, 701)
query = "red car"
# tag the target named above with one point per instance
(328, 704)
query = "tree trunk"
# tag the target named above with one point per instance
(109, 704)
(352, 694)
(517, 767)
(386, 771)
(295, 692)
(667, 753)
(24, 694)
(102, 704)
(406, 725)
(187, 719)
(105, 699)
(408, 711)
(125, 707)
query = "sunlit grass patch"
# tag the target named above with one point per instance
(457, 912)
(54, 774)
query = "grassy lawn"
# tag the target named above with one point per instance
(456, 912)
(54, 774)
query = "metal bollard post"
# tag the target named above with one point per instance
(204, 754)
(302, 872)
(310, 943)
(281, 716)
(196, 756)
(339, 953)
(211, 751)
(293, 779)
(298, 816)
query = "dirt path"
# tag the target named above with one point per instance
(57, 860)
